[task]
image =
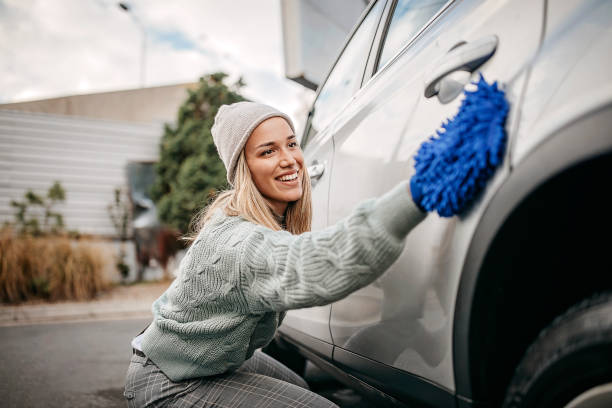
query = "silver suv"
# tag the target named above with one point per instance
(508, 304)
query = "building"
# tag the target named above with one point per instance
(85, 142)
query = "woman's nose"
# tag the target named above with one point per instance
(287, 159)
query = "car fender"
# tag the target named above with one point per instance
(561, 149)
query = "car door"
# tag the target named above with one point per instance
(310, 326)
(402, 323)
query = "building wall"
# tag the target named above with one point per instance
(87, 156)
(155, 104)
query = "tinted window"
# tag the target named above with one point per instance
(408, 18)
(346, 75)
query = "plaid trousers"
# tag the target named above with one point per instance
(261, 382)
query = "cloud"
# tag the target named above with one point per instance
(74, 46)
(250, 31)
(51, 50)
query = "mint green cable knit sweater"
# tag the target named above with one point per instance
(238, 278)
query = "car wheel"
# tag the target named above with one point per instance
(570, 363)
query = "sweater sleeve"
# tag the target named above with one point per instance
(282, 271)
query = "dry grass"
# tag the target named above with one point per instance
(52, 268)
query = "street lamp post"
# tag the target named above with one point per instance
(143, 49)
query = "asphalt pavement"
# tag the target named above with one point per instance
(77, 364)
(83, 364)
(76, 354)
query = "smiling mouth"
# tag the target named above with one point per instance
(288, 179)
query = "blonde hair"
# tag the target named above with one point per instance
(246, 200)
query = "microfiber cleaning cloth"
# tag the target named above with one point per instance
(454, 165)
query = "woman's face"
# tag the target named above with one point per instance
(276, 163)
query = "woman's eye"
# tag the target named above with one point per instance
(293, 144)
(265, 152)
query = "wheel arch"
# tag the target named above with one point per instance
(522, 243)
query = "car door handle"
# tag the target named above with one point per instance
(465, 57)
(316, 170)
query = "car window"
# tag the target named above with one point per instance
(409, 16)
(345, 78)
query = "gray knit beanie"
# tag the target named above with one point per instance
(234, 124)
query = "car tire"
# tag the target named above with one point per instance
(570, 363)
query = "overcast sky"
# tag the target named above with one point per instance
(53, 48)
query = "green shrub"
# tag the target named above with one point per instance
(30, 223)
(189, 170)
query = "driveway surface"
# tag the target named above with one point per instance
(66, 364)
(83, 364)
(76, 354)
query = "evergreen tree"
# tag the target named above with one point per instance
(189, 170)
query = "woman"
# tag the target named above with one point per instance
(252, 259)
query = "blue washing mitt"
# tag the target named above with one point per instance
(454, 165)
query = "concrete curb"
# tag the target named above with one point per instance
(121, 302)
(75, 311)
